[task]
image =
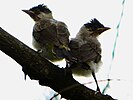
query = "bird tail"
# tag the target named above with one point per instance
(64, 53)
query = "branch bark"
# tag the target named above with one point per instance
(48, 74)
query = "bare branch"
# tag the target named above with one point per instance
(48, 74)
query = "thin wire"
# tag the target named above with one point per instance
(115, 43)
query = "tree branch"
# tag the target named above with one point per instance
(48, 74)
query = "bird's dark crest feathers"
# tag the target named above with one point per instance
(40, 8)
(94, 24)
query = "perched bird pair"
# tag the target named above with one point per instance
(51, 38)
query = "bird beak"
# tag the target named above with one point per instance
(106, 28)
(100, 30)
(31, 14)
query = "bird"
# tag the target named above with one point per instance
(50, 36)
(86, 48)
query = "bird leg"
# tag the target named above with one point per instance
(67, 63)
(94, 76)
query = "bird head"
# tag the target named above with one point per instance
(95, 28)
(39, 12)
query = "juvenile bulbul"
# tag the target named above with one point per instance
(86, 48)
(50, 36)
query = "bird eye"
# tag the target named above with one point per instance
(89, 29)
(36, 11)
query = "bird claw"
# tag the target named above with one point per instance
(67, 71)
(98, 91)
(39, 51)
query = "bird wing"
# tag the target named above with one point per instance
(85, 51)
(90, 51)
(52, 31)
(62, 34)
(46, 33)
(74, 46)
